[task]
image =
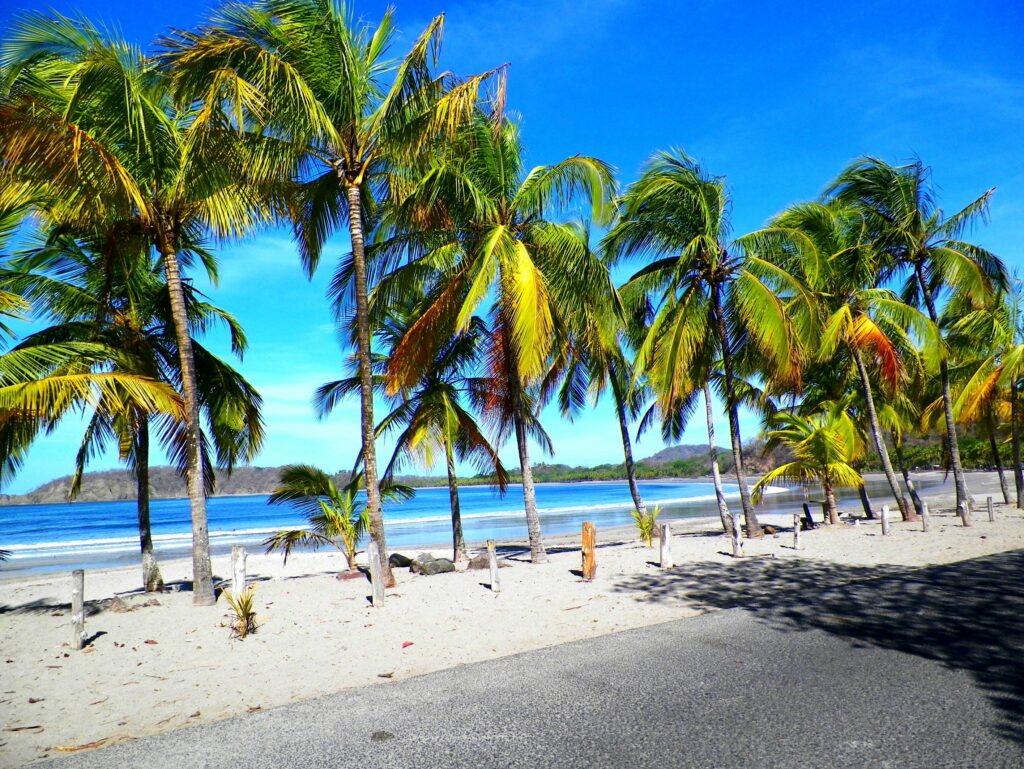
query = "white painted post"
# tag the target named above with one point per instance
(796, 531)
(238, 556)
(666, 547)
(373, 556)
(885, 520)
(77, 609)
(991, 511)
(492, 560)
(737, 539)
(926, 518)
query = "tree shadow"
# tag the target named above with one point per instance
(968, 616)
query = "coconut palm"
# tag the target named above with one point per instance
(909, 228)
(89, 119)
(824, 446)
(307, 75)
(486, 236)
(108, 289)
(711, 298)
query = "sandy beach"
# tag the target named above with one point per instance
(163, 664)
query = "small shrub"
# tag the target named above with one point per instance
(243, 606)
(645, 523)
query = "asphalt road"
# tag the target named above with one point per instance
(806, 665)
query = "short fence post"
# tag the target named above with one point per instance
(589, 559)
(807, 515)
(492, 560)
(238, 556)
(991, 511)
(377, 581)
(796, 531)
(666, 547)
(737, 539)
(926, 519)
(77, 609)
(885, 520)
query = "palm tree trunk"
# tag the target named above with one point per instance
(627, 448)
(716, 476)
(997, 460)
(459, 554)
(370, 477)
(876, 436)
(750, 518)
(1018, 470)
(152, 581)
(202, 571)
(963, 499)
(830, 501)
(918, 504)
(537, 552)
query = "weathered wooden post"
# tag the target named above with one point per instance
(807, 515)
(865, 502)
(373, 556)
(589, 558)
(77, 609)
(238, 556)
(666, 547)
(991, 511)
(492, 559)
(796, 531)
(926, 519)
(737, 537)
(885, 520)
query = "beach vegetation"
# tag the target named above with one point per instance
(646, 521)
(243, 609)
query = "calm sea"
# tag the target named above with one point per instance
(94, 534)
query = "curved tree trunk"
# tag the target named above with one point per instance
(627, 448)
(830, 501)
(997, 460)
(752, 525)
(963, 499)
(876, 436)
(716, 476)
(152, 581)
(1018, 471)
(370, 477)
(202, 571)
(918, 504)
(459, 554)
(537, 552)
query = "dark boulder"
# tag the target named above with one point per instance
(399, 561)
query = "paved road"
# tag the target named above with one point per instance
(806, 665)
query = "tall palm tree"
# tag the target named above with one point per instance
(90, 119)
(342, 118)
(108, 289)
(711, 297)
(489, 238)
(907, 225)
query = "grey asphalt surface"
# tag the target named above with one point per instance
(806, 665)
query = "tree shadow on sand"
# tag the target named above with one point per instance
(968, 616)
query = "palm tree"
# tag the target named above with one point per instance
(824, 445)
(826, 246)
(89, 119)
(488, 238)
(907, 226)
(707, 292)
(341, 119)
(430, 418)
(109, 290)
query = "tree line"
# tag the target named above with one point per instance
(477, 289)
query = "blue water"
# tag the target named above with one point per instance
(92, 534)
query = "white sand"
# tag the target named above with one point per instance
(318, 634)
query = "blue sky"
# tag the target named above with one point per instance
(777, 99)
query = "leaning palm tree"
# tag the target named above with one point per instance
(908, 227)
(706, 290)
(824, 447)
(483, 227)
(89, 119)
(316, 82)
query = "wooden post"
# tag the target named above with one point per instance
(796, 531)
(77, 609)
(238, 556)
(737, 538)
(373, 556)
(492, 558)
(926, 519)
(885, 520)
(807, 515)
(666, 547)
(589, 559)
(991, 512)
